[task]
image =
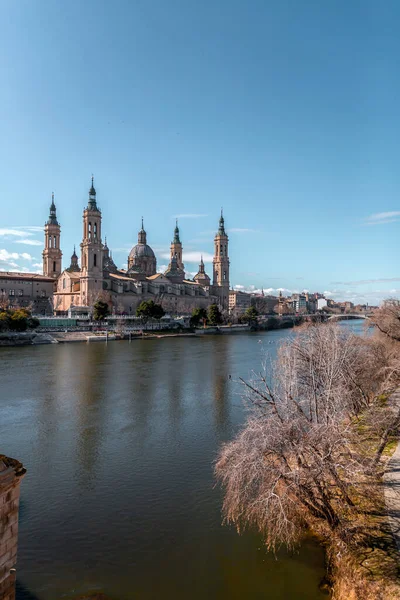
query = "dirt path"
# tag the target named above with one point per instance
(391, 482)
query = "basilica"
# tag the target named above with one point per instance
(79, 286)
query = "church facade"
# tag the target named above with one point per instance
(79, 286)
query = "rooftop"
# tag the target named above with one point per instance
(17, 275)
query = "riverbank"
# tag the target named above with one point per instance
(63, 337)
(90, 334)
(371, 569)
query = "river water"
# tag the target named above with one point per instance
(119, 442)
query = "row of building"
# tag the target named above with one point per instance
(75, 289)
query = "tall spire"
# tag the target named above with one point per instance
(142, 236)
(176, 234)
(221, 228)
(53, 213)
(92, 204)
(201, 265)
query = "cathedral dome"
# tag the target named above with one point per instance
(141, 250)
(141, 258)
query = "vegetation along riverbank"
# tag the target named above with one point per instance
(313, 451)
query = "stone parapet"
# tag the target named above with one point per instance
(11, 474)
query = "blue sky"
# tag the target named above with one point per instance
(285, 113)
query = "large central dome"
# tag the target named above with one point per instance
(141, 258)
(141, 250)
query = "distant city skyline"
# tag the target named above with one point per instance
(284, 114)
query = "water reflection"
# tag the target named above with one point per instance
(119, 441)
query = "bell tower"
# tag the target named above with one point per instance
(52, 253)
(221, 265)
(176, 248)
(91, 252)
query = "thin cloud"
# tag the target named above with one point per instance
(34, 228)
(12, 232)
(364, 281)
(29, 242)
(383, 218)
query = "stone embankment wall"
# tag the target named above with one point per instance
(11, 474)
(24, 339)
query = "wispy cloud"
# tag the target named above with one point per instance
(11, 232)
(364, 281)
(33, 228)
(383, 217)
(29, 242)
(189, 216)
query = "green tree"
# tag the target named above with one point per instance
(250, 315)
(4, 321)
(199, 315)
(33, 322)
(101, 310)
(18, 320)
(214, 315)
(148, 309)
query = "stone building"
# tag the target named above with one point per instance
(27, 290)
(239, 302)
(124, 289)
(11, 474)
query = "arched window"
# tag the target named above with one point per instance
(95, 231)
(95, 259)
(54, 265)
(216, 275)
(54, 242)
(224, 275)
(50, 241)
(225, 249)
(63, 284)
(90, 230)
(220, 250)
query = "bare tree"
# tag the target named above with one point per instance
(295, 463)
(387, 318)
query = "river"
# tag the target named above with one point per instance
(119, 441)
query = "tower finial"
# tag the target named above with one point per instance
(142, 223)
